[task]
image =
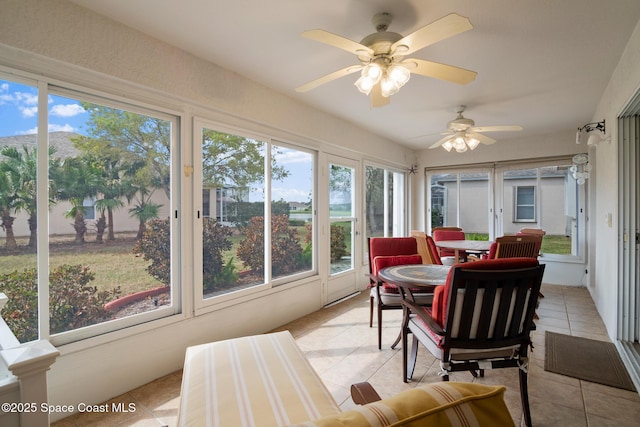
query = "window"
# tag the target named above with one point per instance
(538, 194)
(385, 202)
(108, 203)
(89, 208)
(461, 200)
(258, 212)
(524, 209)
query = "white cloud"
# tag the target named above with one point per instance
(28, 131)
(61, 128)
(28, 111)
(68, 110)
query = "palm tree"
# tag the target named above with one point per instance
(78, 179)
(7, 205)
(144, 210)
(20, 166)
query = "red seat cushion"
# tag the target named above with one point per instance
(381, 262)
(441, 293)
(439, 235)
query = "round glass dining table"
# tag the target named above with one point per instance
(416, 274)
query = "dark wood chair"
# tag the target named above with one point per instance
(482, 317)
(387, 252)
(519, 246)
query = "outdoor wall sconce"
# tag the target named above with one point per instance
(597, 133)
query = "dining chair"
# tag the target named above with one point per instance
(533, 231)
(387, 252)
(526, 245)
(426, 247)
(481, 318)
(449, 233)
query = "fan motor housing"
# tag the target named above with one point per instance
(460, 124)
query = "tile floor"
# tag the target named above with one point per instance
(343, 350)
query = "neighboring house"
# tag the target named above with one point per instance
(59, 224)
(521, 194)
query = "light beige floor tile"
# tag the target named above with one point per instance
(342, 348)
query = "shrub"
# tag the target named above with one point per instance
(72, 303)
(286, 251)
(155, 246)
(338, 244)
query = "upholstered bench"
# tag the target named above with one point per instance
(266, 381)
(261, 380)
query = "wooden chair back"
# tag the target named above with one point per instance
(446, 229)
(426, 248)
(523, 246)
(532, 231)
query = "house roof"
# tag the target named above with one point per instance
(60, 140)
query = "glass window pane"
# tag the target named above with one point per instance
(233, 175)
(474, 205)
(384, 203)
(111, 188)
(18, 253)
(292, 211)
(341, 181)
(341, 192)
(444, 200)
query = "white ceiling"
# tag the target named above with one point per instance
(542, 64)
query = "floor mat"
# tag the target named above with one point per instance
(586, 359)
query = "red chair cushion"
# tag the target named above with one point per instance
(492, 251)
(441, 293)
(381, 262)
(392, 246)
(439, 235)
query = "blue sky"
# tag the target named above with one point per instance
(19, 116)
(19, 111)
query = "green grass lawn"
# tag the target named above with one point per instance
(113, 263)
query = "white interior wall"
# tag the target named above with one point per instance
(62, 41)
(624, 83)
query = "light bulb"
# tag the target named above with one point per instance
(372, 71)
(447, 145)
(388, 87)
(472, 143)
(398, 74)
(365, 85)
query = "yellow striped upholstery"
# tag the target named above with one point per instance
(257, 381)
(442, 404)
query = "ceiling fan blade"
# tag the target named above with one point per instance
(441, 29)
(377, 100)
(340, 42)
(482, 138)
(440, 71)
(326, 79)
(441, 141)
(496, 128)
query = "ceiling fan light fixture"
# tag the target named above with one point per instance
(369, 77)
(394, 78)
(460, 144)
(447, 145)
(399, 74)
(472, 143)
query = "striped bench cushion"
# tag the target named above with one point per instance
(260, 381)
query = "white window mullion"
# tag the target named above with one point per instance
(43, 211)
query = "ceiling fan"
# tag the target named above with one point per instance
(464, 134)
(383, 66)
